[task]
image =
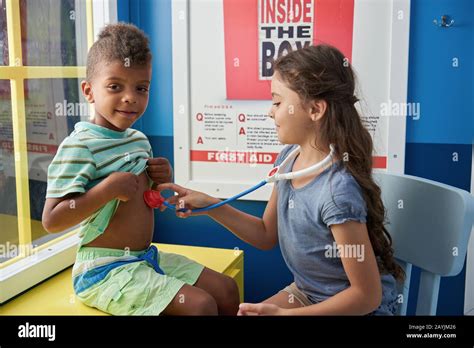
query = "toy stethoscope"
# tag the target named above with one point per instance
(154, 199)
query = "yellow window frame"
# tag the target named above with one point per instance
(17, 73)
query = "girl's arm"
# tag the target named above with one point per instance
(364, 294)
(258, 232)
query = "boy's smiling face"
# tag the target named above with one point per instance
(119, 93)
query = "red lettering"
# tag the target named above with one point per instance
(296, 11)
(286, 11)
(281, 11)
(270, 11)
(307, 11)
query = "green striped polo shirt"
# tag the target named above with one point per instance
(86, 157)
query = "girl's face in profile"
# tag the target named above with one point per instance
(292, 119)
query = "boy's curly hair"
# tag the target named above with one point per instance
(118, 42)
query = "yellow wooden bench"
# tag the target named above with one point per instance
(55, 296)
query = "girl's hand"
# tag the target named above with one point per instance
(186, 199)
(260, 309)
(159, 170)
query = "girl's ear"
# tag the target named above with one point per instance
(317, 109)
(87, 91)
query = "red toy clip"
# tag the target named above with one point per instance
(153, 198)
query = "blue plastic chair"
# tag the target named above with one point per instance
(430, 224)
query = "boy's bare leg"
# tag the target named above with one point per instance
(222, 288)
(191, 300)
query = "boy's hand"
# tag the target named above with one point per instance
(123, 185)
(186, 199)
(159, 170)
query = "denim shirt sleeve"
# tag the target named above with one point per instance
(345, 203)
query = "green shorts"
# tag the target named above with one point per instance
(123, 283)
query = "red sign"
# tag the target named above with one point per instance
(256, 32)
(379, 162)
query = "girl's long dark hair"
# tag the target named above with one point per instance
(323, 73)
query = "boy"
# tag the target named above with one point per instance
(99, 175)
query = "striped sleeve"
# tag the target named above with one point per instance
(71, 170)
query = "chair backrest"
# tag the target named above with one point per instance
(430, 224)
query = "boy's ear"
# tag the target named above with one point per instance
(87, 91)
(317, 109)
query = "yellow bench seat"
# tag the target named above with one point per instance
(55, 296)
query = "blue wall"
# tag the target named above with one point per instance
(445, 126)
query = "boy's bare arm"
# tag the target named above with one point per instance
(62, 213)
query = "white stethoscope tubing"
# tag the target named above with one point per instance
(273, 176)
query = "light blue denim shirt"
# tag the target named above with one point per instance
(306, 241)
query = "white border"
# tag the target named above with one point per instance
(398, 89)
(32, 270)
(103, 12)
(399, 47)
(181, 85)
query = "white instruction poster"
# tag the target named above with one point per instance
(227, 139)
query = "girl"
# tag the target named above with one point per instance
(330, 225)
